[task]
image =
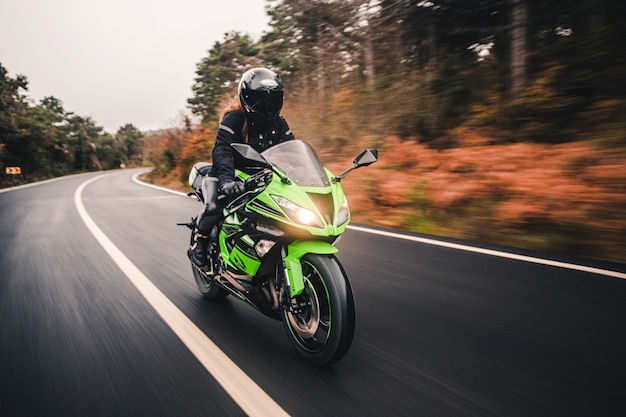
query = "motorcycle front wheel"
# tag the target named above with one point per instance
(323, 330)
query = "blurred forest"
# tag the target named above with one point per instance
(498, 121)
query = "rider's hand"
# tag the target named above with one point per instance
(232, 189)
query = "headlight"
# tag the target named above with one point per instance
(298, 214)
(344, 213)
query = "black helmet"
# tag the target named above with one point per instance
(261, 93)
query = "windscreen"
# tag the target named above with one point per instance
(299, 162)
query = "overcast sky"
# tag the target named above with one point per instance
(119, 61)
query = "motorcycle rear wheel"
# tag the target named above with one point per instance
(208, 287)
(322, 333)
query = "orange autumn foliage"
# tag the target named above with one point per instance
(567, 198)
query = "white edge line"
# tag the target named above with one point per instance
(466, 248)
(490, 252)
(138, 181)
(243, 390)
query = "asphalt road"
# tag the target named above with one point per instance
(440, 331)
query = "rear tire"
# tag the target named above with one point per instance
(323, 332)
(207, 286)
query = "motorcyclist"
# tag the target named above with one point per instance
(254, 119)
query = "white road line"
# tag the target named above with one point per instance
(466, 248)
(138, 181)
(490, 252)
(244, 391)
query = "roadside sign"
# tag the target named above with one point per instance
(13, 170)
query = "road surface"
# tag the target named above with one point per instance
(451, 330)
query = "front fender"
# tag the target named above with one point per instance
(293, 266)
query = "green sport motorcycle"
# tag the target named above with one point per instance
(274, 248)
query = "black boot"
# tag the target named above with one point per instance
(198, 250)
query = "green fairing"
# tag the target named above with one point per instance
(293, 266)
(300, 197)
(308, 180)
(238, 258)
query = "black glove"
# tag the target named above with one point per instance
(232, 189)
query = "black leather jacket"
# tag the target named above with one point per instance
(260, 136)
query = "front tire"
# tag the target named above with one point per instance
(322, 333)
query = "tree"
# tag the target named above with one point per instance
(46, 141)
(315, 36)
(129, 139)
(219, 72)
(109, 151)
(84, 136)
(518, 45)
(13, 107)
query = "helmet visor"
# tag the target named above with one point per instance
(266, 103)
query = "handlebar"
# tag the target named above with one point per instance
(253, 183)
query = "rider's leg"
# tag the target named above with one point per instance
(200, 245)
(207, 218)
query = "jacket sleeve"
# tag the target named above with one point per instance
(286, 133)
(228, 132)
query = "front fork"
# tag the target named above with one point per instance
(292, 268)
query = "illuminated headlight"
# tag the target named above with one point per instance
(344, 213)
(263, 246)
(298, 214)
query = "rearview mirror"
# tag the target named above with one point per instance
(365, 158)
(246, 158)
